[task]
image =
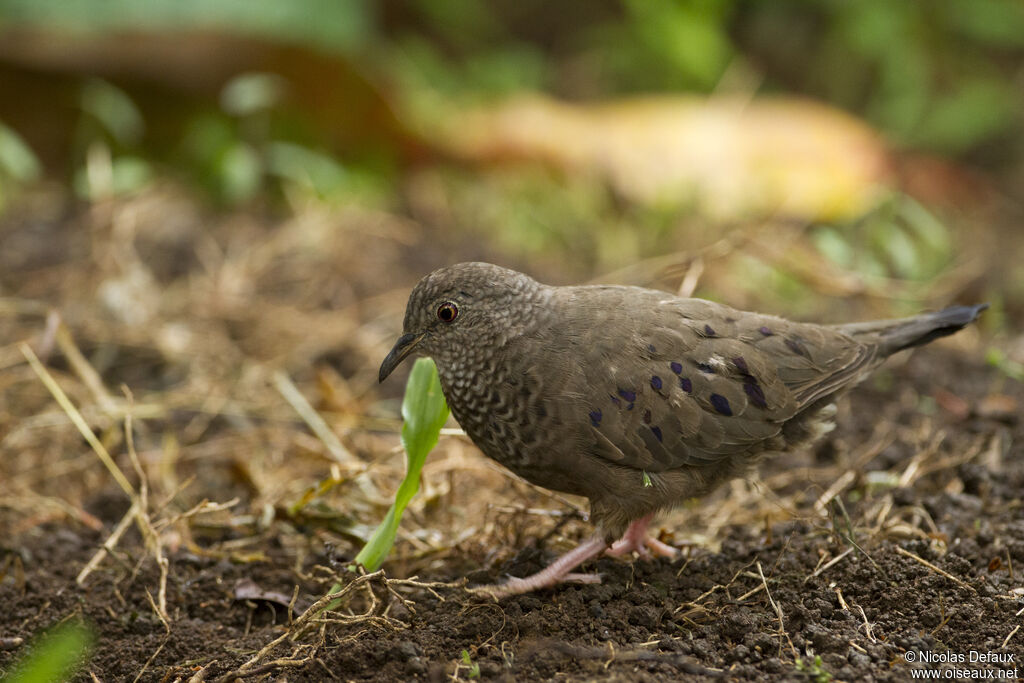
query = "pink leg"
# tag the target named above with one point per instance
(636, 540)
(556, 572)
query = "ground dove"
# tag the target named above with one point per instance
(634, 398)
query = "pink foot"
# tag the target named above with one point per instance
(558, 571)
(636, 540)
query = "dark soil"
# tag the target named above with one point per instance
(705, 614)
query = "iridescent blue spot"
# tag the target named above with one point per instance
(795, 345)
(617, 402)
(595, 418)
(657, 432)
(647, 417)
(741, 364)
(628, 395)
(676, 367)
(766, 331)
(650, 347)
(630, 406)
(656, 382)
(721, 404)
(755, 393)
(704, 367)
(686, 385)
(708, 331)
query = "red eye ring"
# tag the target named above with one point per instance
(447, 312)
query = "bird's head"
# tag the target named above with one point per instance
(456, 313)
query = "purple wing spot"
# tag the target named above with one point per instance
(721, 404)
(647, 417)
(630, 406)
(676, 367)
(709, 331)
(595, 418)
(704, 367)
(628, 395)
(766, 331)
(755, 393)
(657, 433)
(656, 382)
(650, 347)
(741, 364)
(686, 385)
(796, 345)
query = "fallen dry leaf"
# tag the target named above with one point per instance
(952, 404)
(733, 157)
(999, 407)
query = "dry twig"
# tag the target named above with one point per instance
(926, 563)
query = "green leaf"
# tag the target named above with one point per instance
(971, 112)
(306, 167)
(834, 246)
(250, 93)
(113, 109)
(689, 37)
(130, 174)
(16, 158)
(55, 656)
(425, 412)
(239, 170)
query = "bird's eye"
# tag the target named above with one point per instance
(447, 312)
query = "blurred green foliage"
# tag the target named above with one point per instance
(941, 75)
(54, 656)
(326, 24)
(898, 239)
(997, 358)
(938, 75)
(18, 164)
(248, 145)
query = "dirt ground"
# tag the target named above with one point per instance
(901, 537)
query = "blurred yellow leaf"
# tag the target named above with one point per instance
(732, 157)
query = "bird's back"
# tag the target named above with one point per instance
(656, 382)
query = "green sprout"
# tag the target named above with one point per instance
(814, 669)
(424, 411)
(467, 661)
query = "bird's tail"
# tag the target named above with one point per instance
(903, 333)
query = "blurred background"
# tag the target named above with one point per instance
(806, 151)
(208, 207)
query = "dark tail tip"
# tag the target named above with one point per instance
(960, 316)
(941, 324)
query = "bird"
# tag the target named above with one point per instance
(635, 398)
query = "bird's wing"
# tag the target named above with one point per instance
(704, 382)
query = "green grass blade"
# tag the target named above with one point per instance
(425, 412)
(55, 656)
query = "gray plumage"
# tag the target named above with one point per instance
(634, 398)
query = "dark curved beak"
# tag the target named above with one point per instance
(402, 348)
